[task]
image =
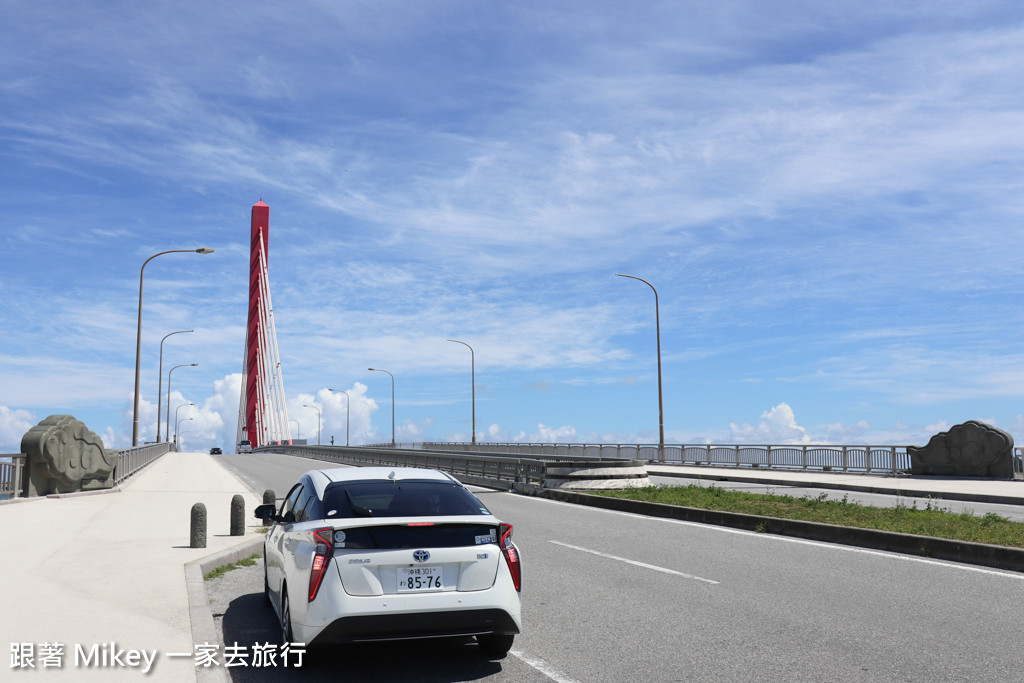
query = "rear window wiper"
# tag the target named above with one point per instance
(357, 510)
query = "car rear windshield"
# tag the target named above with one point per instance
(399, 499)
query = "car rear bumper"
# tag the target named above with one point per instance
(417, 625)
(334, 616)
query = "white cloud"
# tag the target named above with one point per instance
(409, 432)
(777, 426)
(847, 434)
(545, 434)
(776, 167)
(13, 425)
(335, 412)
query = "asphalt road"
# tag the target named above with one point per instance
(617, 597)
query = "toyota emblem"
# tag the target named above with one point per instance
(421, 555)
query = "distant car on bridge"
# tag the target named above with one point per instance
(380, 553)
(215, 451)
(244, 446)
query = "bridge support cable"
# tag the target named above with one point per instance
(262, 410)
(276, 427)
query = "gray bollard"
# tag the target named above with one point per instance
(197, 538)
(237, 515)
(269, 498)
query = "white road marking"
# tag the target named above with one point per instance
(635, 562)
(788, 539)
(543, 667)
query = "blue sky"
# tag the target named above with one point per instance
(826, 195)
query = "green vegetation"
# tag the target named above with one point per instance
(929, 520)
(224, 569)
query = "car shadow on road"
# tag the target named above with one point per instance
(247, 621)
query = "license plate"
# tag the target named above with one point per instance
(419, 579)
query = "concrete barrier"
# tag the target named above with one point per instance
(595, 474)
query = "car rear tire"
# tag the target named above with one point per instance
(495, 644)
(286, 618)
(266, 584)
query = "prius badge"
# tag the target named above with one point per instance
(421, 555)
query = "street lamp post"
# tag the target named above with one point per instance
(160, 384)
(657, 329)
(317, 421)
(392, 402)
(176, 420)
(347, 404)
(183, 365)
(138, 337)
(472, 365)
(297, 430)
(177, 423)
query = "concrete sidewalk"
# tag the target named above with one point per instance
(1001, 491)
(94, 569)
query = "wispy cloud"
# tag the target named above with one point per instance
(824, 195)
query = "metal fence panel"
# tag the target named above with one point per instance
(12, 473)
(822, 457)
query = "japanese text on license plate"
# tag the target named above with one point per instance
(418, 579)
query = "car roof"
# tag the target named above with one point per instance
(322, 478)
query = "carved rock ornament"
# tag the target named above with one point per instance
(970, 449)
(64, 456)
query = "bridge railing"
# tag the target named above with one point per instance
(12, 468)
(466, 467)
(841, 458)
(132, 460)
(859, 458)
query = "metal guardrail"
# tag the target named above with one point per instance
(821, 457)
(132, 460)
(11, 474)
(844, 458)
(473, 467)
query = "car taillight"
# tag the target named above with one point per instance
(511, 555)
(321, 558)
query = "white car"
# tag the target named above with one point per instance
(387, 553)
(244, 446)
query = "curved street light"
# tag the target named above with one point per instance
(472, 365)
(176, 420)
(347, 403)
(392, 402)
(160, 384)
(657, 329)
(138, 336)
(297, 430)
(176, 425)
(304, 405)
(183, 365)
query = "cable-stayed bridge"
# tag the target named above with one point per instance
(262, 410)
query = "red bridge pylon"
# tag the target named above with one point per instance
(262, 412)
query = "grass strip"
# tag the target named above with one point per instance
(224, 569)
(930, 520)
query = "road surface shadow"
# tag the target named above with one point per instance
(247, 621)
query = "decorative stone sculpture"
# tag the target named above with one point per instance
(64, 456)
(970, 449)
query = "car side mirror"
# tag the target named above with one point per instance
(266, 512)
